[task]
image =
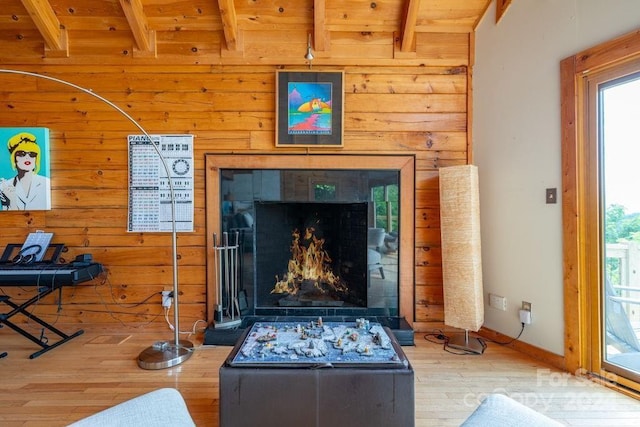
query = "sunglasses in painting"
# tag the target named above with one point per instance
(21, 153)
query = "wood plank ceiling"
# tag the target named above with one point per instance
(74, 29)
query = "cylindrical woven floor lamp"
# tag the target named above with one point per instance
(461, 256)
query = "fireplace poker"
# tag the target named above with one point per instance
(235, 308)
(231, 279)
(225, 250)
(218, 274)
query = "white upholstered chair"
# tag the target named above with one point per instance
(375, 241)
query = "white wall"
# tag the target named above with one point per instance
(516, 132)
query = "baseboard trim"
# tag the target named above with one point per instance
(537, 353)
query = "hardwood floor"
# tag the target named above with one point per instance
(98, 369)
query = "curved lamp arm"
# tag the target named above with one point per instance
(166, 168)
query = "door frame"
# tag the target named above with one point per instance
(580, 198)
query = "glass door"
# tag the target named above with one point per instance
(618, 135)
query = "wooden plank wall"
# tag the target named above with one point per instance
(409, 108)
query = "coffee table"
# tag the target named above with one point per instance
(317, 374)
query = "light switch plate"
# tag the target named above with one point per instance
(552, 195)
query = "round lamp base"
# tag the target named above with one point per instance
(165, 354)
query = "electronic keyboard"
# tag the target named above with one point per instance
(47, 274)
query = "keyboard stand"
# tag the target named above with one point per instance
(42, 341)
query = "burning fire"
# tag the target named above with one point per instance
(309, 263)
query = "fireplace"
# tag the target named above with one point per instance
(311, 255)
(319, 235)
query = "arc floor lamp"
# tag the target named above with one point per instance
(161, 354)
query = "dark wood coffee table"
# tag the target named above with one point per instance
(329, 390)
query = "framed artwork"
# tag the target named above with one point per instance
(151, 191)
(25, 173)
(309, 108)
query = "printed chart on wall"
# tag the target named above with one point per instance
(149, 190)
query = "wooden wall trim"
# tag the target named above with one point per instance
(578, 194)
(618, 50)
(537, 353)
(570, 218)
(403, 163)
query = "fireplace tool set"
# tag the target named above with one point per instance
(227, 268)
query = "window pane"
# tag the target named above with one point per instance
(619, 135)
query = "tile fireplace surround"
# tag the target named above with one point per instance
(267, 179)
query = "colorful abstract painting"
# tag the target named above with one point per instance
(25, 181)
(309, 108)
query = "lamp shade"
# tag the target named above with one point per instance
(461, 255)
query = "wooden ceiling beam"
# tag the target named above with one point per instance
(54, 34)
(137, 19)
(501, 8)
(229, 23)
(408, 30)
(321, 38)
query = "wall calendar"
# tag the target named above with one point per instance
(149, 188)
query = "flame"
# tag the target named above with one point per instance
(308, 263)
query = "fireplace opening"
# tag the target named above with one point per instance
(311, 254)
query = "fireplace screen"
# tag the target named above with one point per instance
(315, 242)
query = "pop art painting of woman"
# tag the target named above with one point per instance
(24, 180)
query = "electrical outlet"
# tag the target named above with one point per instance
(525, 313)
(167, 297)
(496, 301)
